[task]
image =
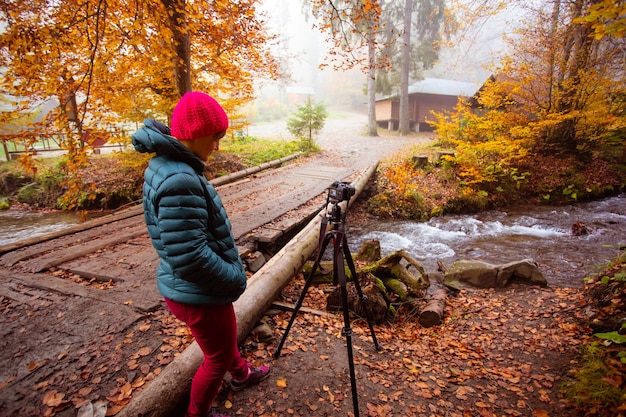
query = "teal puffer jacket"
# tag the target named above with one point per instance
(187, 222)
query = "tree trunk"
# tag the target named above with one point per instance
(369, 252)
(390, 266)
(371, 87)
(405, 124)
(177, 23)
(432, 314)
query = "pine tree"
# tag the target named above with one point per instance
(307, 121)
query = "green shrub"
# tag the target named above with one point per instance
(591, 387)
(254, 151)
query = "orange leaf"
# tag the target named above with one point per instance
(144, 351)
(53, 398)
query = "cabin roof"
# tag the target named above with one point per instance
(440, 87)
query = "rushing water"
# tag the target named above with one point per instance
(17, 225)
(539, 232)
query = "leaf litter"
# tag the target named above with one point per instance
(498, 353)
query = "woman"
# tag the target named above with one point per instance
(200, 273)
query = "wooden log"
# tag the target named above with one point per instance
(225, 179)
(432, 314)
(391, 265)
(172, 385)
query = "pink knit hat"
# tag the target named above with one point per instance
(197, 114)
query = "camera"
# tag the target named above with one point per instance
(340, 191)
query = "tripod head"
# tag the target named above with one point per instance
(338, 192)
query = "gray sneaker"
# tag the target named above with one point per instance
(256, 374)
(213, 413)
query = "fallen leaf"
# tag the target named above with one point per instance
(53, 398)
(144, 351)
(281, 383)
(34, 365)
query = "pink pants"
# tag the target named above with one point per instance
(215, 331)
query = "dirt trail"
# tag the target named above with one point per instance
(344, 140)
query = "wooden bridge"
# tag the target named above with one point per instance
(117, 249)
(63, 294)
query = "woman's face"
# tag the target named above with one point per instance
(204, 146)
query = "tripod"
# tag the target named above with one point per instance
(341, 252)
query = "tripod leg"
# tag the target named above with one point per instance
(362, 297)
(340, 273)
(309, 280)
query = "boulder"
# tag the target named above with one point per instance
(370, 251)
(472, 273)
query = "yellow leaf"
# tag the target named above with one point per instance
(125, 391)
(228, 405)
(514, 379)
(281, 383)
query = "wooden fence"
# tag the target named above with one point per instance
(50, 143)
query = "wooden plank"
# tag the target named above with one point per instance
(104, 220)
(267, 235)
(51, 242)
(301, 192)
(60, 256)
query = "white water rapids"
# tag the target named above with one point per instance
(541, 233)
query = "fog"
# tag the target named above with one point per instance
(302, 49)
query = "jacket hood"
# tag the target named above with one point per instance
(155, 137)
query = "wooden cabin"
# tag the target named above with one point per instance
(425, 96)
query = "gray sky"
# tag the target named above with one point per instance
(467, 61)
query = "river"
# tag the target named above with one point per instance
(542, 233)
(17, 225)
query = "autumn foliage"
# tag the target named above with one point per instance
(560, 92)
(116, 62)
